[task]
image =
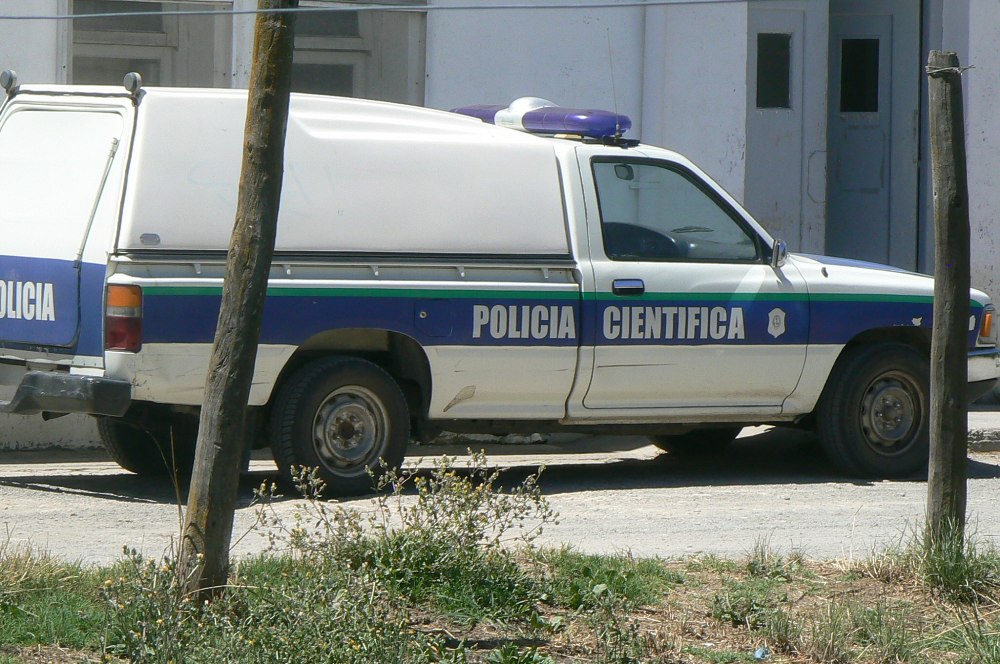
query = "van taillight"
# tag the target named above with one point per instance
(123, 318)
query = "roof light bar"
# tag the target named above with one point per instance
(540, 116)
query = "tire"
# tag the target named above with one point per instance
(873, 416)
(700, 442)
(140, 451)
(340, 415)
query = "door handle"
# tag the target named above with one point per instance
(628, 287)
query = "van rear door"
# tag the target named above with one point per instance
(61, 170)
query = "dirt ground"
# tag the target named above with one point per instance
(612, 494)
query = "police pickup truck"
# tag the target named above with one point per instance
(496, 270)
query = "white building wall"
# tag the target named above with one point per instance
(982, 94)
(242, 43)
(35, 49)
(695, 79)
(493, 56)
(786, 148)
(683, 90)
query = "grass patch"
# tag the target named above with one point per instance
(957, 569)
(719, 656)
(746, 602)
(45, 600)
(445, 568)
(571, 578)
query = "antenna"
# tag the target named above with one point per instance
(614, 92)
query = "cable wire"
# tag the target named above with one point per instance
(370, 6)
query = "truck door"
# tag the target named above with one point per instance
(56, 162)
(688, 313)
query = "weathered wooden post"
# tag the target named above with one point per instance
(946, 482)
(208, 525)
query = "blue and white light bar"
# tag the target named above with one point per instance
(540, 116)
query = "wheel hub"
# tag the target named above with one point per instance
(890, 414)
(349, 429)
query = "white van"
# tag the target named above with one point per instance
(522, 269)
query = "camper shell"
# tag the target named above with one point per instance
(433, 271)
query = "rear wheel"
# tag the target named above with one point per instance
(167, 452)
(341, 415)
(698, 442)
(873, 416)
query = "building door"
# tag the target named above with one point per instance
(872, 131)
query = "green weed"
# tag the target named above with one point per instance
(719, 656)
(44, 600)
(781, 632)
(442, 539)
(509, 653)
(828, 637)
(570, 577)
(886, 634)
(747, 603)
(618, 638)
(959, 569)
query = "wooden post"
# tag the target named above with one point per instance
(946, 481)
(208, 525)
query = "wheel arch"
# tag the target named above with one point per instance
(918, 338)
(401, 356)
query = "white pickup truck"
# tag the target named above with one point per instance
(523, 269)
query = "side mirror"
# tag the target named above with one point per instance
(779, 254)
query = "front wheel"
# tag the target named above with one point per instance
(873, 417)
(345, 416)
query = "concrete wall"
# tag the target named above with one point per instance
(28, 432)
(696, 60)
(35, 49)
(679, 72)
(487, 56)
(982, 94)
(786, 148)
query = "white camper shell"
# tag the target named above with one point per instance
(433, 271)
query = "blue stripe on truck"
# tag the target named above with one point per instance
(538, 318)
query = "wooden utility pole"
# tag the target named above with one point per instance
(946, 481)
(208, 525)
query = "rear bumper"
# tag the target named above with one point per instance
(57, 392)
(984, 369)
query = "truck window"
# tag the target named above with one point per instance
(51, 164)
(659, 212)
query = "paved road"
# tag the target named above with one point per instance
(613, 494)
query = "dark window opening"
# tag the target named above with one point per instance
(859, 76)
(146, 16)
(332, 79)
(774, 70)
(327, 24)
(109, 71)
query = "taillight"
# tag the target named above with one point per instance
(123, 318)
(986, 328)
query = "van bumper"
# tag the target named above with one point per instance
(57, 392)
(984, 369)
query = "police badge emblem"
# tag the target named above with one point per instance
(776, 322)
